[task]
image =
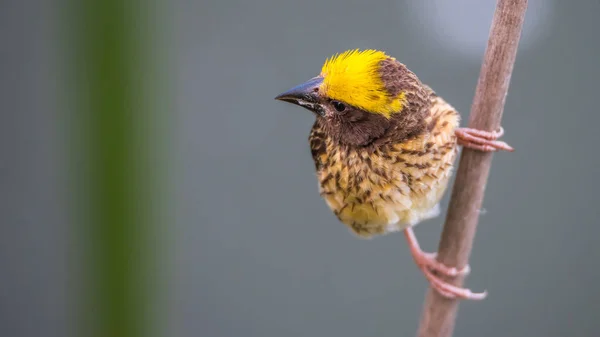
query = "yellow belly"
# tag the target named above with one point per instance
(374, 203)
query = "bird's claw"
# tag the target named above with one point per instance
(482, 140)
(429, 261)
(429, 264)
(451, 291)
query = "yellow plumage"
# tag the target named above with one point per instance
(353, 76)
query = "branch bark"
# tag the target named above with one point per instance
(439, 313)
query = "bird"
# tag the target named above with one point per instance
(384, 145)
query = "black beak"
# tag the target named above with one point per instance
(305, 95)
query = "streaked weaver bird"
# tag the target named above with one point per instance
(384, 145)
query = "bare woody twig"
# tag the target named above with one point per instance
(439, 313)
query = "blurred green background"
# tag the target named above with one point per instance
(151, 186)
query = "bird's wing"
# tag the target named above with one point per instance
(428, 159)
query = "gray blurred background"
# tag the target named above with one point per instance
(253, 250)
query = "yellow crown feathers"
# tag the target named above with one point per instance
(354, 77)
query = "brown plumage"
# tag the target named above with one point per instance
(384, 145)
(394, 181)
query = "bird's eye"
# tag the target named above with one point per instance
(339, 106)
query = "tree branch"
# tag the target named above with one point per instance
(439, 313)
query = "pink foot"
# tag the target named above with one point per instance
(482, 140)
(450, 291)
(428, 263)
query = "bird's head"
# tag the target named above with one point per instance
(363, 96)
